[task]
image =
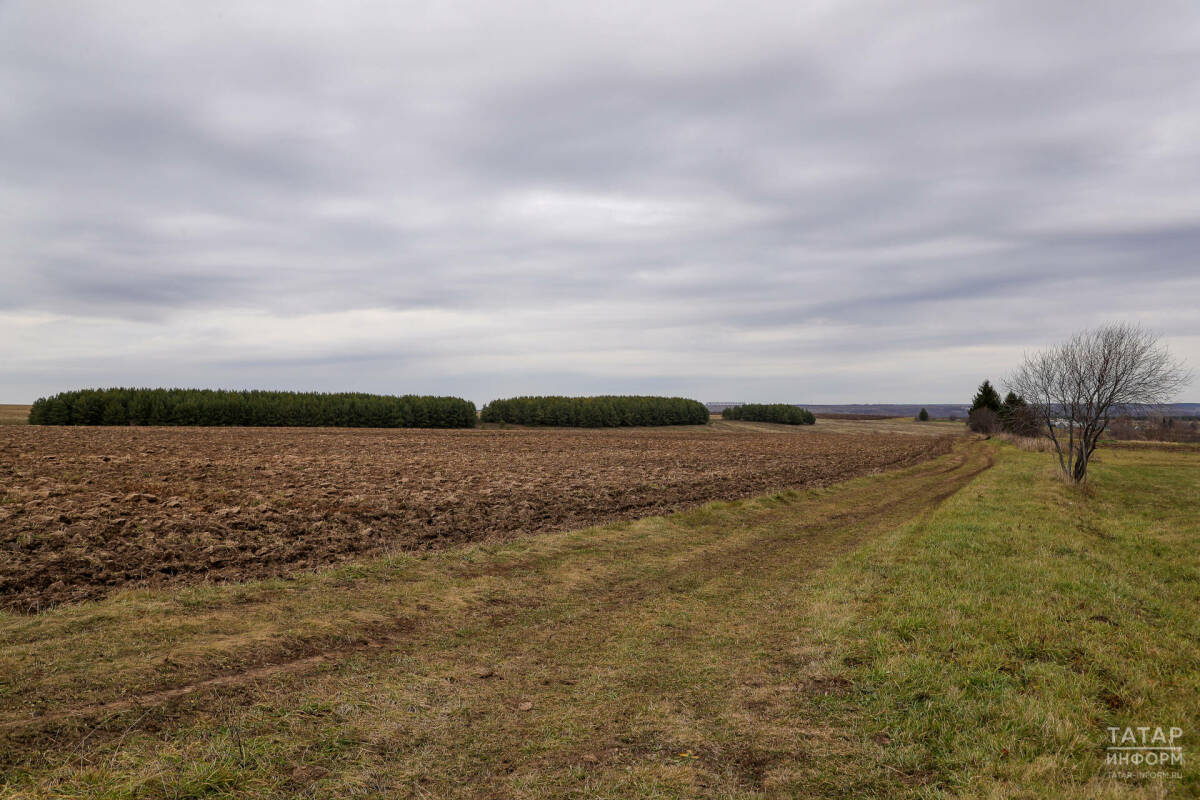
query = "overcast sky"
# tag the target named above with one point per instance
(821, 202)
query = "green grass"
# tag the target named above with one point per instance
(922, 633)
(991, 646)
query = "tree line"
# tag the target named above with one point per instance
(990, 414)
(605, 411)
(770, 412)
(121, 406)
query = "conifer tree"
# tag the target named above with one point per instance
(782, 413)
(114, 413)
(986, 397)
(209, 407)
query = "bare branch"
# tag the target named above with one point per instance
(1079, 385)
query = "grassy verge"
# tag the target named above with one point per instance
(869, 639)
(991, 646)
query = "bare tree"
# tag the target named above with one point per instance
(1075, 387)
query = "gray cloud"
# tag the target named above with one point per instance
(863, 202)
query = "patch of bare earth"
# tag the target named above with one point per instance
(85, 511)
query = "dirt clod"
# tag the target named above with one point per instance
(247, 503)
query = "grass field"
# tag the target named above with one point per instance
(14, 414)
(948, 629)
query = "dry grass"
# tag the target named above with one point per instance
(886, 425)
(14, 414)
(1030, 444)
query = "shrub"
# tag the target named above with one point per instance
(239, 408)
(606, 411)
(1023, 421)
(983, 420)
(783, 413)
(923, 416)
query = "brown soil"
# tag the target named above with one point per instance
(85, 511)
(822, 532)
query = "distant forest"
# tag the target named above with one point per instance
(258, 408)
(606, 411)
(770, 412)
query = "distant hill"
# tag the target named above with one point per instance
(1182, 410)
(936, 410)
(870, 409)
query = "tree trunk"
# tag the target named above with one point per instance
(1079, 470)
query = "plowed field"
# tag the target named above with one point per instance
(84, 511)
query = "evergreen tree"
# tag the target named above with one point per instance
(209, 407)
(986, 397)
(782, 413)
(87, 409)
(595, 412)
(923, 416)
(114, 413)
(57, 413)
(1016, 417)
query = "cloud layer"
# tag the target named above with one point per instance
(841, 202)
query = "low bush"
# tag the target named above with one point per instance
(983, 420)
(606, 411)
(770, 412)
(243, 408)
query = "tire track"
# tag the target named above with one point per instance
(936, 481)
